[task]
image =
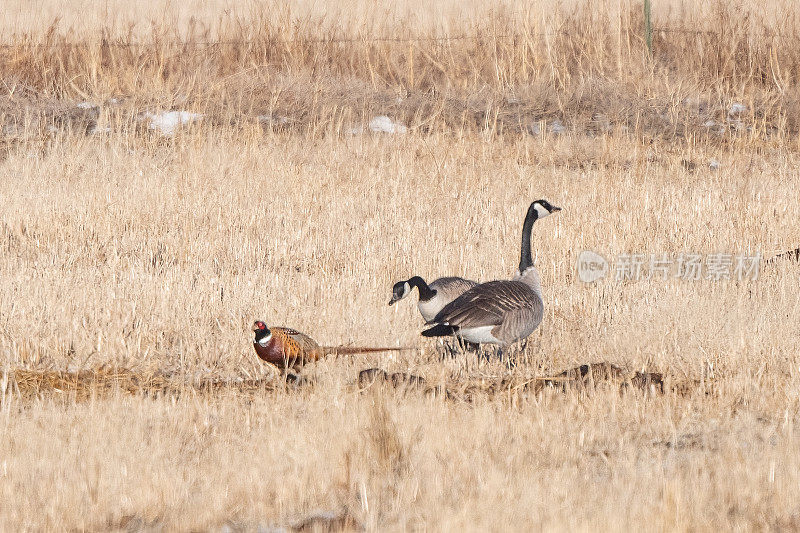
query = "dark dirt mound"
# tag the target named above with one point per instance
(584, 377)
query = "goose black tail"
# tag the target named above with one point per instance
(440, 330)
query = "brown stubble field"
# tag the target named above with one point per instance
(133, 265)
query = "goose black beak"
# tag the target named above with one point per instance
(555, 209)
(393, 300)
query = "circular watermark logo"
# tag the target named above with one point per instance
(591, 266)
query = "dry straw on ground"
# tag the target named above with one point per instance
(133, 263)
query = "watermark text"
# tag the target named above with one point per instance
(662, 266)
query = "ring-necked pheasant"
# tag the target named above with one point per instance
(288, 348)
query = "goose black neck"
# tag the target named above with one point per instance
(525, 257)
(425, 292)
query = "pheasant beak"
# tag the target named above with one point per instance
(256, 326)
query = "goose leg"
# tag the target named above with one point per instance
(507, 356)
(458, 345)
(523, 346)
(466, 346)
(447, 350)
(484, 354)
(458, 342)
(511, 362)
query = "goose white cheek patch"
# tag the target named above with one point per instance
(541, 212)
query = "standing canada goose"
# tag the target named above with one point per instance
(499, 312)
(433, 297)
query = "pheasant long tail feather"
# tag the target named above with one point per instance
(351, 350)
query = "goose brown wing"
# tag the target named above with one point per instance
(519, 323)
(453, 284)
(486, 304)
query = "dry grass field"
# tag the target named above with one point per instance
(132, 264)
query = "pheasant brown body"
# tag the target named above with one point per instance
(288, 348)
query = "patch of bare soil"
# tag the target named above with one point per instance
(586, 377)
(103, 380)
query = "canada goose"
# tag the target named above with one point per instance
(288, 348)
(433, 297)
(499, 312)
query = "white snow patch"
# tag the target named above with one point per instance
(383, 124)
(709, 123)
(601, 123)
(168, 122)
(714, 164)
(380, 124)
(556, 127)
(99, 130)
(273, 120)
(695, 102)
(533, 128)
(87, 105)
(737, 125)
(737, 109)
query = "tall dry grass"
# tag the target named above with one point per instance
(151, 255)
(482, 65)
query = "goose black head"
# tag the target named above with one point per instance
(400, 290)
(544, 208)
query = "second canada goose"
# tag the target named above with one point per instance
(433, 297)
(499, 312)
